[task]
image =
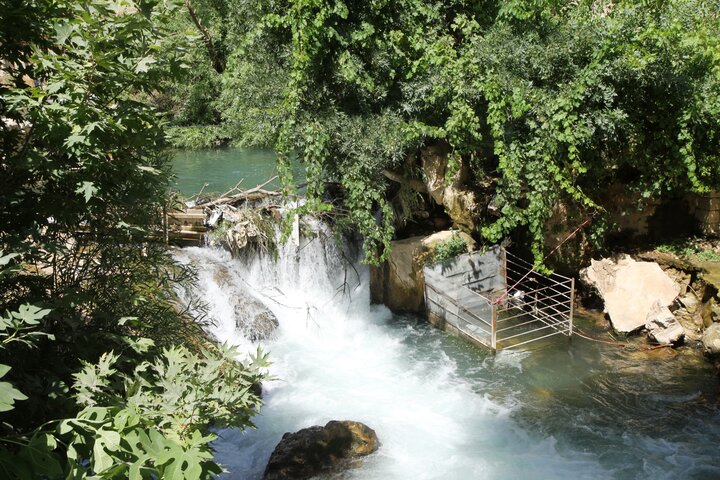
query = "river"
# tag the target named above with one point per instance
(222, 169)
(444, 409)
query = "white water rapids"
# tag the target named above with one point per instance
(336, 357)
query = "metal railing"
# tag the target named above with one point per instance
(531, 306)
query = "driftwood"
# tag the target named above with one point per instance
(255, 193)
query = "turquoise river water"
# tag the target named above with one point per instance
(222, 169)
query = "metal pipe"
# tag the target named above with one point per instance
(527, 332)
(531, 340)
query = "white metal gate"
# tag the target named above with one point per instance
(497, 299)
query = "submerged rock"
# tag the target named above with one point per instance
(253, 319)
(662, 326)
(630, 289)
(314, 450)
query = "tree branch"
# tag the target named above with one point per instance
(217, 63)
(413, 183)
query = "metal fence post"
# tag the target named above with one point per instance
(572, 307)
(493, 340)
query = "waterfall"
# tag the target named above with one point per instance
(336, 356)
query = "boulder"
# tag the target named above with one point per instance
(253, 319)
(662, 326)
(315, 450)
(711, 339)
(630, 289)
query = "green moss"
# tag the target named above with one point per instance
(693, 248)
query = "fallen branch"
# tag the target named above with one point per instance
(254, 193)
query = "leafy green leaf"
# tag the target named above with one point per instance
(88, 189)
(8, 395)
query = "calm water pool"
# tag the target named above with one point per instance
(221, 169)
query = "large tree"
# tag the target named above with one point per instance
(89, 325)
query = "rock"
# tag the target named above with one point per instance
(462, 207)
(314, 450)
(711, 274)
(707, 312)
(680, 277)
(399, 282)
(253, 319)
(691, 323)
(715, 310)
(238, 236)
(573, 250)
(431, 241)
(662, 326)
(711, 339)
(630, 289)
(669, 261)
(459, 201)
(434, 161)
(690, 302)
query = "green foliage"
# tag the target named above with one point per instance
(552, 100)
(692, 248)
(450, 248)
(151, 422)
(197, 137)
(138, 419)
(83, 181)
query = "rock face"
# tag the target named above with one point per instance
(459, 201)
(662, 325)
(314, 450)
(711, 339)
(630, 289)
(690, 316)
(399, 282)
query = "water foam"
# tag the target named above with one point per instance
(338, 357)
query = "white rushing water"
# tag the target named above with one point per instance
(335, 356)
